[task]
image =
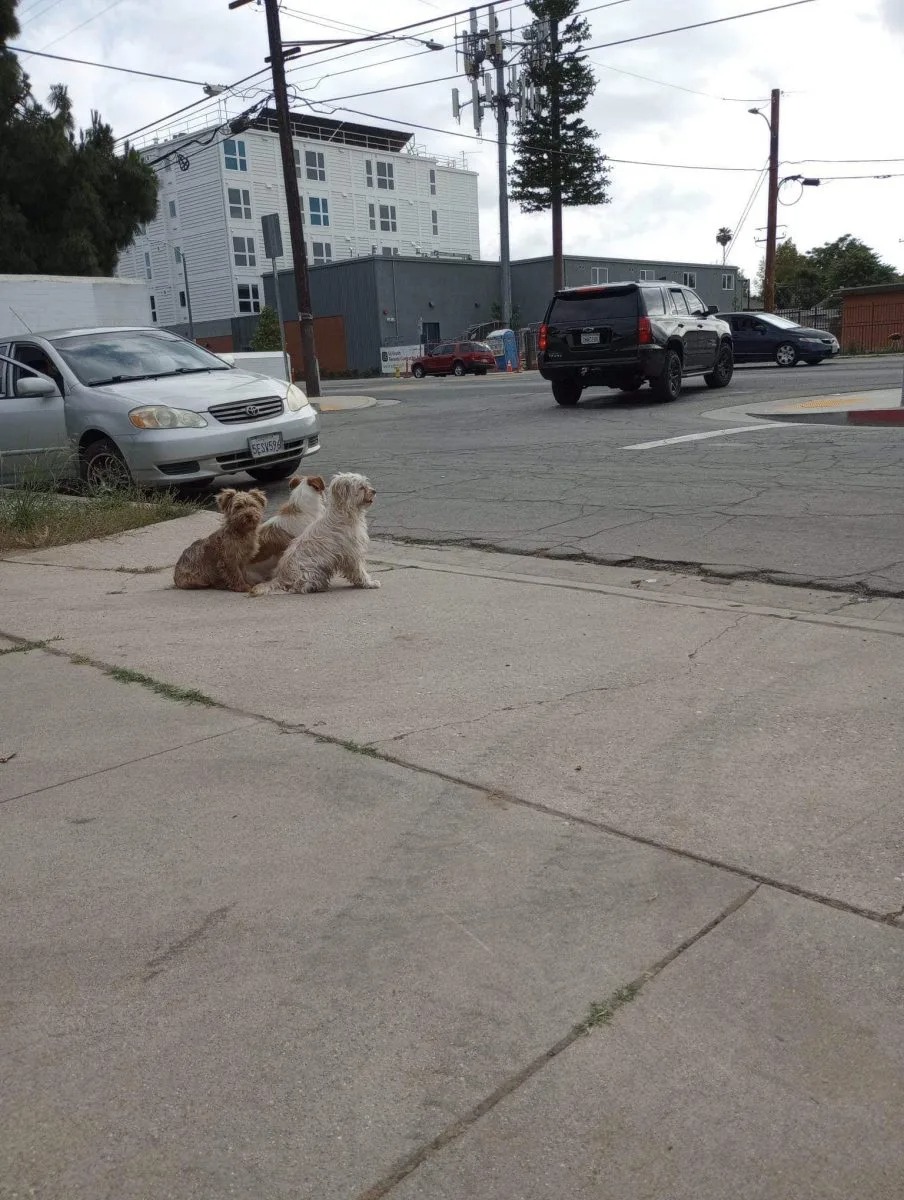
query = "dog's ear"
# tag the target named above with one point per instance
(317, 483)
(258, 497)
(225, 498)
(295, 481)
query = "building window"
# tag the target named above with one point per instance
(388, 223)
(432, 182)
(298, 162)
(147, 266)
(728, 282)
(243, 252)
(372, 213)
(314, 165)
(599, 274)
(647, 275)
(389, 251)
(153, 311)
(240, 203)
(182, 299)
(386, 176)
(177, 253)
(320, 210)
(690, 279)
(369, 172)
(322, 252)
(249, 298)
(172, 208)
(234, 154)
(434, 217)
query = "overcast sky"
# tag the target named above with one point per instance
(838, 63)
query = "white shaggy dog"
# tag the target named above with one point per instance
(304, 505)
(335, 543)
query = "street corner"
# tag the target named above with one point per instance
(334, 404)
(881, 407)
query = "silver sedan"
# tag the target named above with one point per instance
(143, 406)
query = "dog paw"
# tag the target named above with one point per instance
(373, 583)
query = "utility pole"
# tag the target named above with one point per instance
(479, 46)
(555, 190)
(293, 199)
(772, 212)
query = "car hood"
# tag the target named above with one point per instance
(195, 392)
(804, 331)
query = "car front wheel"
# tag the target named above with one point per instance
(275, 473)
(720, 375)
(566, 392)
(418, 371)
(104, 468)
(667, 386)
(458, 369)
(786, 355)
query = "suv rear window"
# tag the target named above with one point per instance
(592, 308)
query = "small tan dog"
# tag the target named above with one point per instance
(335, 543)
(220, 560)
(277, 533)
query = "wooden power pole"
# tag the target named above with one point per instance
(772, 212)
(293, 198)
(555, 191)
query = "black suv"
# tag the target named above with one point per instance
(622, 334)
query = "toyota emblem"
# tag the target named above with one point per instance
(252, 410)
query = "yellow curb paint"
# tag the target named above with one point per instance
(836, 402)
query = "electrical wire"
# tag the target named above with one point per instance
(678, 86)
(106, 66)
(36, 16)
(642, 37)
(748, 208)
(88, 21)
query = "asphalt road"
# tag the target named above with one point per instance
(495, 462)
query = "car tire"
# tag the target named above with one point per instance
(786, 355)
(458, 369)
(566, 392)
(418, 371)
(667, 386)
(814, 362)
(720, 375)
(275, 473)
(481, 371)
(103, 467)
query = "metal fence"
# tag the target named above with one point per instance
(828, 319)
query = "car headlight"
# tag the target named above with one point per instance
(161, 416)
(296, 400)
(812, 341)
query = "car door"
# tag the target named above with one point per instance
(441, 359)
(34, 442)
(743, 337)
(706, 333)
(686, 329)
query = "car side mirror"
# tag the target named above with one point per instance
(36, 387)
(713, 309)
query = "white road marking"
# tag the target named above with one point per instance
(699, 437)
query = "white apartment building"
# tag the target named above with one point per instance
(365, 190)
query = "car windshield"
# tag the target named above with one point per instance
(592, 307)
(120, 355)
(780, 322)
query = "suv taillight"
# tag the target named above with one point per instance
(543, 337)
(644, 332)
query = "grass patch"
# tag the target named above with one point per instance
(603, 1012)
(170, 690)
(25, 647)
(32, 518)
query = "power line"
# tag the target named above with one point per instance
(95, 16)
(36, 16)
(642, 37)
(748, 208)
(678, 86)
(106, 66)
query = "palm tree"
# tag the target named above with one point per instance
(723, 237)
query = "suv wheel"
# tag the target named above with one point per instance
(720, 375)
(667, 386)
(458, 368)
(786, 355)
(566, 392)
(417, 371)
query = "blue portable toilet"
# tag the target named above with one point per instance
(504, 345)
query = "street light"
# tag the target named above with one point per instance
(429, 43)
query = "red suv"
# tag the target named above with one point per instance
(455, 358)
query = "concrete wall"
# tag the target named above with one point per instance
(47, 302)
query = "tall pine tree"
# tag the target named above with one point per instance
(69, 203)
(558, 163)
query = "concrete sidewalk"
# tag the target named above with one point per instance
(880, 407)
(516, 878)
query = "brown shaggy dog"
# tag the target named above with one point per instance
(219, 561)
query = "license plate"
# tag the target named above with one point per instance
(267, 443)
(589, 339)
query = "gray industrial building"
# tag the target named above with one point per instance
(390, 300)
